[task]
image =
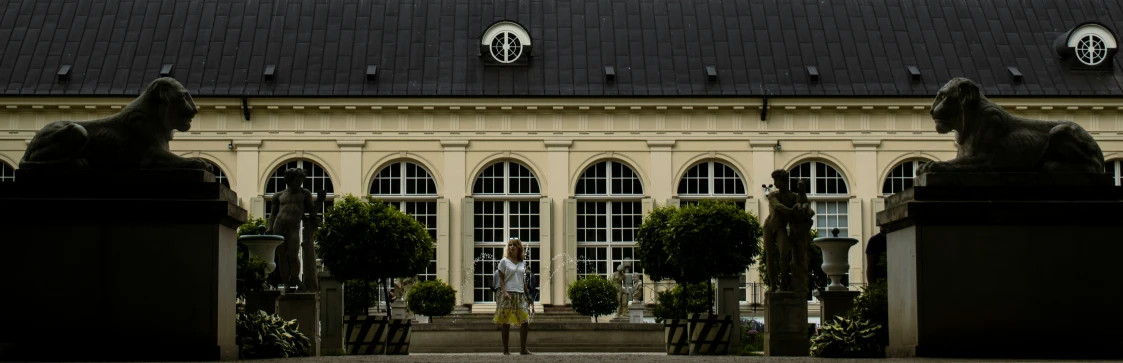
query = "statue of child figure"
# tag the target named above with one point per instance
(289, 207)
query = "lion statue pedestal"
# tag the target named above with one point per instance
(104, 217)
(1023, 221)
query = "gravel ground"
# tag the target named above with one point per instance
(602, 357)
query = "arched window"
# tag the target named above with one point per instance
(901, 177)
(219, 175)
(711, 180)
(7, 172)
(830, 196)
(1115, 168)
(714, 180)
(609, 198)
(506, 203)
(411, 188)
(315, 179)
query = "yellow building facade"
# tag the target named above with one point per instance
(571, 177)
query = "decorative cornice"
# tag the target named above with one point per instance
(454, 143)
(558, 143)
(587, 104)
(763, 143)
(246, 143)
(350, 143)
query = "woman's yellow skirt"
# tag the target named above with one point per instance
(514, 310)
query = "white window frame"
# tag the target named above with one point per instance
(819, 200)
(506, 197)
(401, 199)
(7, 172)
(1115, 167)
(916, 163)
(609, 197)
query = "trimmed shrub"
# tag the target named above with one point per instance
(431, 298)
(593, 296)
(668, 304)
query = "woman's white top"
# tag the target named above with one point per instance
(514, 275)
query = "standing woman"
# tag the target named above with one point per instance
(513, 305)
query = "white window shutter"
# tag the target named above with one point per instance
(546, 248)
(570, 245)
(753, 206)
(442, 248)
(467, 242)
(257, 207)
(856, 217)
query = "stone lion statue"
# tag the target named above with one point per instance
(135, 137)
(990, 139)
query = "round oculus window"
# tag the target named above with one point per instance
(1091, 50)
(506, 47)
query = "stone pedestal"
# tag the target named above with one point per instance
(331, 315)
(785, 324)
(973, 266)
(834, 303)
(147, 257)
(635, 312)
(263, 300)
(398, 309)
(305, 308)
(728, 302)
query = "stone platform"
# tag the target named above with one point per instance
(543, 337)
(975, 259)
(149, 254)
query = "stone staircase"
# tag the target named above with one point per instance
(550, 314)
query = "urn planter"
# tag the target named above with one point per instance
(836, 258)
(263, 246)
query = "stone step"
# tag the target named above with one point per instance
(538, 317)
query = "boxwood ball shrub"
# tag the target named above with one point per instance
(431, 298)
(669, 304)
(593, 296)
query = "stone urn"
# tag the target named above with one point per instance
(836, 252)
(264, 246)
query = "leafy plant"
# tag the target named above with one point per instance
(593, 296)
(873, 305)
(652, 238)
(752, 337)
(817, 279)
(669, 304)
(372, 241)
(667, 242)
(358, 296)
(847, 337)
(250, 273)
(262, 335)
(431, 298)
(253, 226)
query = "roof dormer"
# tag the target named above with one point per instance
(505, 43)
(1088, 46)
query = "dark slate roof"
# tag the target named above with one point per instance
(658, 47)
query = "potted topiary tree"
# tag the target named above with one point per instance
(593, 296)
(431, 298)
(694, 244)
(371, 241)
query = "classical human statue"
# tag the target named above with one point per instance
(289, 207)
(787, 234)
(990, 139)
(312, 222)
(620, 280)
(135, 137)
